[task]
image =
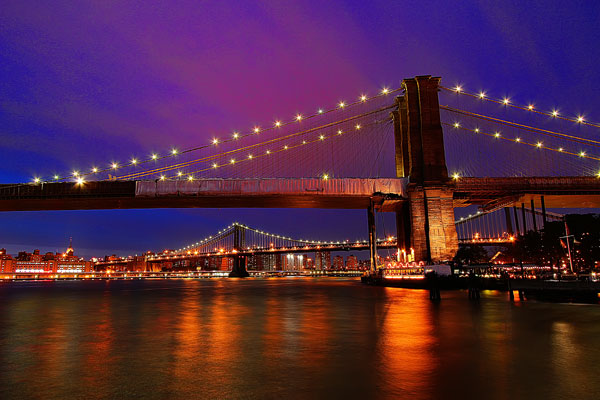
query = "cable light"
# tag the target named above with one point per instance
(538, 145)
(174, 151)
(505, 101)
(268, 152)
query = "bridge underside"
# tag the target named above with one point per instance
(558, 192)
(348, 193)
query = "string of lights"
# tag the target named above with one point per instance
(250, 157)
(227, 231)
(249, 147)
(537, 145)
(564, 136)
(530, 108)
(114, 166)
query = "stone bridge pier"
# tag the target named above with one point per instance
(425, 222)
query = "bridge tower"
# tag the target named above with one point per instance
(425, 223)
(239, 262)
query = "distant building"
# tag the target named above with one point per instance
(352, 263)
(338, 263)
(35, 263)
(310, 263)
(7, 263)
(322, 260)
(262, 262)
(293, 262)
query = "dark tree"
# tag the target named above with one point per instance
(471, 254)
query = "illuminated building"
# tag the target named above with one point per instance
(322, 260)
(352, 263)
(7, 263)
(49, 263)
(338, 263)
(293, 262)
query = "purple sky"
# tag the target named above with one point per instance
(91, 82)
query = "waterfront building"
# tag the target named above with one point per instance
(338, 263)
(322, 260)
(49, 263)
(293, 262)
(352, 263)
(7, 263)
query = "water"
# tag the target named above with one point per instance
(288, 338)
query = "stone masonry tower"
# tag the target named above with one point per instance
(426, 221)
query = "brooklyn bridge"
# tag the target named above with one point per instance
(421, 151)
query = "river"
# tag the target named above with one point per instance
(286, 338)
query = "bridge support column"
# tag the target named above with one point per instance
(543, 212)
(433, 233)
(239, 268)
(524, 216)
(403, 232)
(372, 237)
(518, 230)
(509, 228)
(533, 215)
(239, 262)
(419, 136)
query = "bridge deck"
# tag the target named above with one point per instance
(558, 192)
(347, 193)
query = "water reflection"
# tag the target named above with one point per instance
(287, 338)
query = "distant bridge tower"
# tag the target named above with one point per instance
(425, 223)
(239, 262)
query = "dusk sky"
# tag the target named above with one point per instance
(89, 82)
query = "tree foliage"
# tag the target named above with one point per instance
(471, 254)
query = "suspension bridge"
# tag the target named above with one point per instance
(420, 151)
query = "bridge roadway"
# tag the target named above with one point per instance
(343, 193)
(558, 192)
(346, 193)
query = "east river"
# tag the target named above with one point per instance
(283, 338)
